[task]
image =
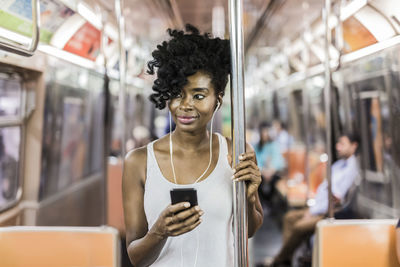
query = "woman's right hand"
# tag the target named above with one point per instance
(177, 219)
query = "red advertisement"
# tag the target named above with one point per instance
(85, 42)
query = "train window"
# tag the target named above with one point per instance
(97, 130)
(316, 116)
(10, 139)
(74, 141)
(373, 124)
(116, 135)
(392, 140)
(10, 97)
(11, 100)
(372, 120)
(72, 130)
(140, 129)
(275, 106)
(296, 118)
(283, 109)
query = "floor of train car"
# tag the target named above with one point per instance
(268, 239)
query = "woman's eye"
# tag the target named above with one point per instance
(199, 97)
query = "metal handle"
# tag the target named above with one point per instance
(21, 49)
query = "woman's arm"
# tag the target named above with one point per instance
(143, 245)
(255, 215)
(248, 171)
(252, 175)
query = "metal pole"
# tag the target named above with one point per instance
(306, 121)
(306, 112)
(107, 113)
(122, 71)
(327, 97)
(238, 130)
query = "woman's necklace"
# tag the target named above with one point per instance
(171, 149)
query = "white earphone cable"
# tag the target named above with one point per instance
(198, 179)
(197, 249)
(171, 147)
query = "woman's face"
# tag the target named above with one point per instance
(264, 134)
(194, 107)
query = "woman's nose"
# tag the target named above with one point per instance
(186, 103)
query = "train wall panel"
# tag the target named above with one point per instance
(81, 207)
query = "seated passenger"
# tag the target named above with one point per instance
(282, 137)
(300, 224)
(269, 160)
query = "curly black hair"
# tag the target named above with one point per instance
(182, 56)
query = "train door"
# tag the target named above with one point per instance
(371, 104)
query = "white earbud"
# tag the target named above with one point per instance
(218, 104)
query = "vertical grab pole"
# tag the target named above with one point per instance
(122, 70)
(107, 115)
(327, 98)
(238, 130)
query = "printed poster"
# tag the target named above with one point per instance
(16, 15)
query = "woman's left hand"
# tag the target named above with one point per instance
(247, 170)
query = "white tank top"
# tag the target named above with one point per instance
(213, 238)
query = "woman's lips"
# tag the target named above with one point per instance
(186, 119)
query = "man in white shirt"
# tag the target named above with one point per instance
(300, 224)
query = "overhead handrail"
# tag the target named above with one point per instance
(20, 49)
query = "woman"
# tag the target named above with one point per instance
(192, 72)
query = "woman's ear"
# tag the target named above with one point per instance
(219, 101)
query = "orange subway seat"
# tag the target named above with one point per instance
(355, 243)
(22, 246)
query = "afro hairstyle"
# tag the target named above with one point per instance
(184, 55)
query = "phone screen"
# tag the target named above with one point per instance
(184, 195)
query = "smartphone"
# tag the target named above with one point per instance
(184, 195)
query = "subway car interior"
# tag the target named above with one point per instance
(321, 82)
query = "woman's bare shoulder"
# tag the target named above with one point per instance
(135, 164)
(162, 145)
(137, 156)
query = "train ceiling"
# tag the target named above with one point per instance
(271, 27)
